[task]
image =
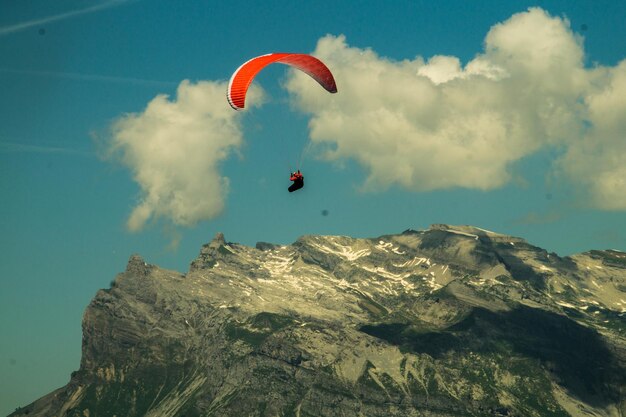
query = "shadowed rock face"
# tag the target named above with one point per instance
(451, 321)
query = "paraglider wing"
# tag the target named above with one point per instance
(243, 76)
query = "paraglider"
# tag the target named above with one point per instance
(298, 181)
(243, 76)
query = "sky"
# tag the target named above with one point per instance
(116, 138)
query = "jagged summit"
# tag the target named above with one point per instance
(209, 253)
(215, 243)
(465, 230)
(137, 266)
(475, 232)
(448, 321)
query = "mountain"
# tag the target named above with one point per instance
(449, 321)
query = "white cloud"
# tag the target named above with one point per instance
(422, 124)
(435, 124)
(174, 148)
(597, 160)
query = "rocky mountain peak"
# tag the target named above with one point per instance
(450, 321)
(218, 240)
(475, 232)
(137, 266)
(210, 252)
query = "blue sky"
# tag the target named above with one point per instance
(417, 140)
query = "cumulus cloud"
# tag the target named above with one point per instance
(422, 124)
(174, 148)
(596, 161)
(436, 124)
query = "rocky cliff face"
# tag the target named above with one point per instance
(451, 321)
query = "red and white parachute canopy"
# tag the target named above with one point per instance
(243, 76)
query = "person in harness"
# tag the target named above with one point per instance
(298, 181)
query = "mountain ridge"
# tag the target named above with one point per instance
(448, 321)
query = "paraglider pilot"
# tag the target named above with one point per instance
(298, 181)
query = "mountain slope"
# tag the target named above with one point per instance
(451, 321)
